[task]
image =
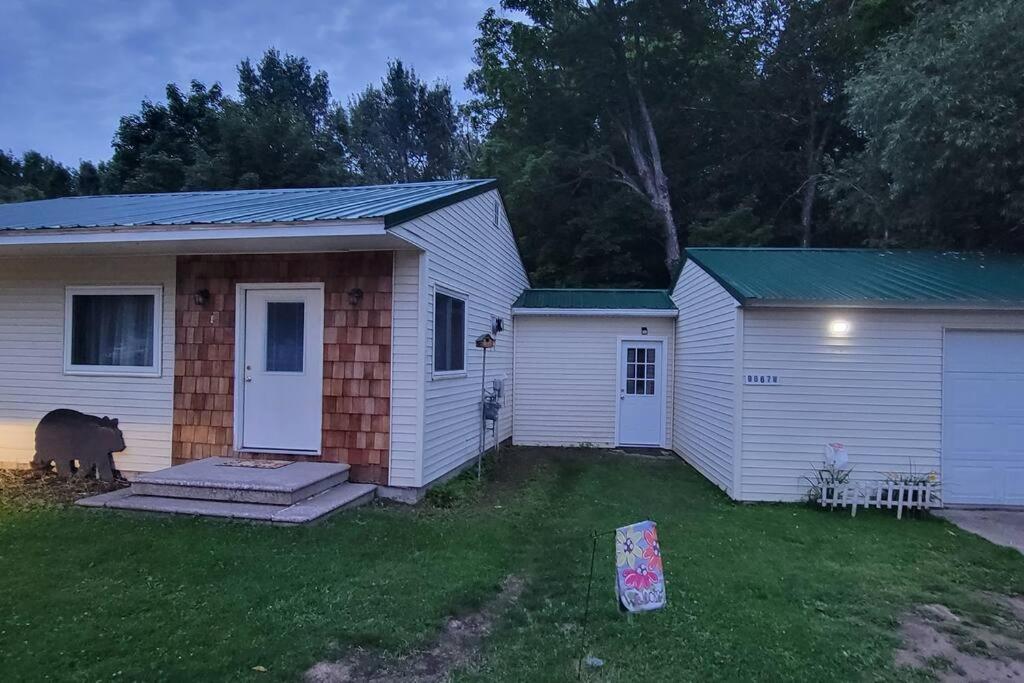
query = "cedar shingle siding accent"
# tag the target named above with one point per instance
(357, 354)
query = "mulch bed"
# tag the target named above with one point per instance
(29, 488)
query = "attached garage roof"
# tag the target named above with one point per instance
(392, 203)
(865, 277)
(594, 301)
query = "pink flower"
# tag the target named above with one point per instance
(652, 553)
(640, 578)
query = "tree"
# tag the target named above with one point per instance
(33, 176)
(154, 148)
(406, 131)
(613, 56)
(940, 110)
(284, 131)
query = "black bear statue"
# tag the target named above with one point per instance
(64, 436)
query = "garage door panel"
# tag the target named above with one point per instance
(988, 394)
(1014, 485)
(986, 437)
(976, 351)
(974, 485)
(983, 418)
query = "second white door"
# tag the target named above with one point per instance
(641, 393)
(282, 369)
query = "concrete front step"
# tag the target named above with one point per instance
(213, 480)
(339, 497)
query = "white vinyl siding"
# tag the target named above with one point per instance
(877, 389)
(705, 375)
(466, 252)
(566, 377)
(32, 378)
(407, 380)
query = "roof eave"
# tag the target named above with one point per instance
(405, 215)
(191, 231)
(598, 312)
(890, 305)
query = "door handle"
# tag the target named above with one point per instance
(248, 379)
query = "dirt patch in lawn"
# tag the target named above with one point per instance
(457, 647)
(32, 488)
(953, 647)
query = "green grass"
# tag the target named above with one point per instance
(775, 592)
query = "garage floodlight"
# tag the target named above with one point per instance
(838, 327)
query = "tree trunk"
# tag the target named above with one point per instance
(646, 156)
(815, 152)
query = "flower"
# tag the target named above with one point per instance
(652, 551)
(627, 547)
(640, 578)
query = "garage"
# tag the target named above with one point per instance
(593, 367)
(912, 360)
(983, 418)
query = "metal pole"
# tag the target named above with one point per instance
(483, 421)
(586, 610)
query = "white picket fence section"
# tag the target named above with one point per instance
(882, 494)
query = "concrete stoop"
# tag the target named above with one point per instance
(294, 493)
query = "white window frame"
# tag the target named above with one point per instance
(156, 291)
(464, 298)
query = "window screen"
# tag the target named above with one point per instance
(449, 333)
(112, 330)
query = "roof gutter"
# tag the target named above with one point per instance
(600, 312)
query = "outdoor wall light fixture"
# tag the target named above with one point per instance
(202, 297)
(839, 327)
(355, 295)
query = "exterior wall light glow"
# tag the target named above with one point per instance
(838, 328)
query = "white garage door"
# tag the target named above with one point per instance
(983, 418)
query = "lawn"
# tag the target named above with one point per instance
(769, 592)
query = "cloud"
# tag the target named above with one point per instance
(71, 70)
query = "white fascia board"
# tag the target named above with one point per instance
(896, 306)
(601, 312)
(175, 233)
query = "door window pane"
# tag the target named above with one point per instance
(640, 366)
(112, 330)
(285, 335)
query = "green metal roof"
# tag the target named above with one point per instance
(597, 299)
(392, 203)
(860, 277)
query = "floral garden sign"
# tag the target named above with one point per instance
(639, 573)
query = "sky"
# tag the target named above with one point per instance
(70, 69)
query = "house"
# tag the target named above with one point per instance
(913, 360)
(337, 325)
(332, 325)
(593, 367)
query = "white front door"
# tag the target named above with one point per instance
(641, 393)
(281, 387)
(983, 418)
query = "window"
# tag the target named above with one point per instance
(112, 330)
(449, 333)
(285, 332)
